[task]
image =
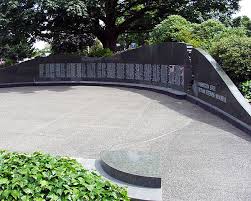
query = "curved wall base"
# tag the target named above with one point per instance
(168, 91)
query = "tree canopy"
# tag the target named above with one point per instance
(16, 33)
(104, 19)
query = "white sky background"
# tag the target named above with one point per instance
(245, 9)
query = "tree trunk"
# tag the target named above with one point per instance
(109, 39)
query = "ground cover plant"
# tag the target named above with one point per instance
(41, 177)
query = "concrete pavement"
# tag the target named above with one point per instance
(203, 157)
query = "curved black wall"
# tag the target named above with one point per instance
(168, 67)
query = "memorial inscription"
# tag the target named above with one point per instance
(152, 73)
(139, 72)
(176, 75)
(130, 71)
(148, 72)
(164, 74)
(91, 70)
(84, 70)
(210, 90)
(156, 73)
(120, 71)
(111, 71)
(78, 70)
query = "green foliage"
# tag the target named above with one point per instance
(127, 38)
(231, 47)
(15, 49)
(173, 29)
(97, 50)
(48, 19)
(70, 43)
(16, 36)
(41, 177)
(178, 29)
(42, 53)
(207, 31)
(244, 22)
(7, 62)
(234, 55)
(100, 52)
(245, 88)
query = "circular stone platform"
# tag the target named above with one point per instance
(202, 156)
(133, 167)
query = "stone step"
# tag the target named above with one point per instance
(137, 168)
(136, 193)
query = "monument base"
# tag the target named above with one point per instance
(137, 171)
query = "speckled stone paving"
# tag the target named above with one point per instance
(202, 156)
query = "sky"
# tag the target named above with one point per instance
(245, 9)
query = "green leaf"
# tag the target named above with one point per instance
(43, 183)
(15, 194)
(4, 181)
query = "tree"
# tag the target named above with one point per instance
(177, 29)
(16, 32)
(173, 29)
(70, 43)
(126, 39)
(107, 19)
(243, 21)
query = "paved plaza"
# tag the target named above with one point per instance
(203, 157)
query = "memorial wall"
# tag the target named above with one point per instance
(156, 74)
(190, 73)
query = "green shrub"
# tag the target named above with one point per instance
(245, 88)
(178, 29)
(173, 29)
(231, 32)
(100, 52)
(41, 177)
(207, 31)
(7, 63)
(230, 46)
(244, 22)
(234, 55)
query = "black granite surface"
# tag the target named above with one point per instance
(171, 66)
(137, 168)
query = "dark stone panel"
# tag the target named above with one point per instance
(164, 74)
(156, 74)
(167, 65)
(84, 70)
(111, 70)
(120, 71)
(99, 71)
(212, 85)
(166, 53)
(137, 168)
(139, 72)
(148, 74)
(91, 70)
(130, 72)
(78, 70)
